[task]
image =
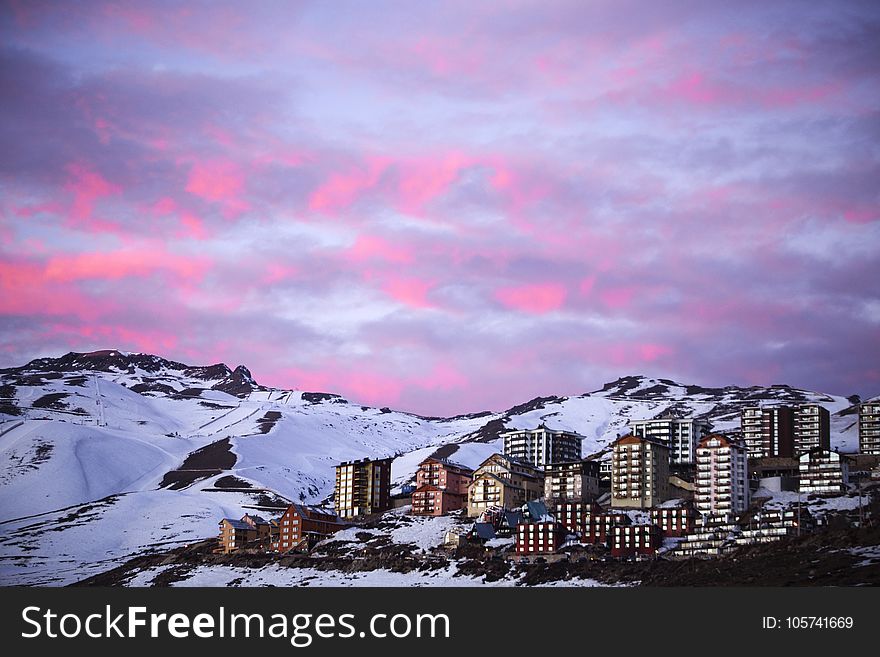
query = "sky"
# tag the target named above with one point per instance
(446, 207)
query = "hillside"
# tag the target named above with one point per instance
(107, 454)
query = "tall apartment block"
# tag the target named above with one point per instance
(363, 487)
(768, 431)
(869, 427)
(639, 473)
(722, 480)
(571, 481)
(542, 446)
(812, 428)
(679, 434)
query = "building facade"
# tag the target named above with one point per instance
(300, 527)
(635, 540)
(503, 482)
(441, 487)
(363, 487)
(575, 515)
(768, 432)
(639, 473)
(823, 472)
(869, 427)
(542, 446)
(722, 478)
(675, 521)
(812, 428)
(572, 480)
(681, 435)
(249, 532)
(538, 538)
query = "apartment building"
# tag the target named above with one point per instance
(441, 487)
(635, 540)
(538, 538)
(598, 527)
(713, 535)
(542, 446)
(501, 481)
(768, 432)
(823, 472)
(574, 515)
(812, 428)
(639, 473)
(363, 487)
(674, 521)
(680, 435)
(571, 480)
(869, 427)
(722, 479)
(300, 527)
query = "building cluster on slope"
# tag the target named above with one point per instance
(669, 485)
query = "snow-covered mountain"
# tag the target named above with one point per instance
(105, 454)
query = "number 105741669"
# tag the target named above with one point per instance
(807, 623)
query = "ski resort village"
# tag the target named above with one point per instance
(129, 469)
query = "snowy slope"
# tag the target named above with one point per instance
(162, 436)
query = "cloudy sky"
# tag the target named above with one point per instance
(447, 206)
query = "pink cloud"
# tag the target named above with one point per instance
(537, 299)
(114, 265)
(409, 291)
(367, 247)
(422, 180)
(88, 187)
(618, 297)
(650, 352)
(218, 181)
(341, 190)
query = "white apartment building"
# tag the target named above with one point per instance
(681, 435)
(722, 478)
(542, 446)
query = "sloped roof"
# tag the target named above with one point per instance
(484, 530)
(237, 524)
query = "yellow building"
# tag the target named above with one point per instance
(639, 473)
(363, 487)
(503, 482)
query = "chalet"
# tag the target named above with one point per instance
(441, 487)
(248, 532)
(503, 482)
(635, 540)
(300, 527)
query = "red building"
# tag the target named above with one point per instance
(538, 538)
(573, 515)
(675, 521)
(441, 487)
(634, 540)
(301, 527)
(598, 527)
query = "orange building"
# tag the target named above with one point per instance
(441, 487)
(301, 527)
